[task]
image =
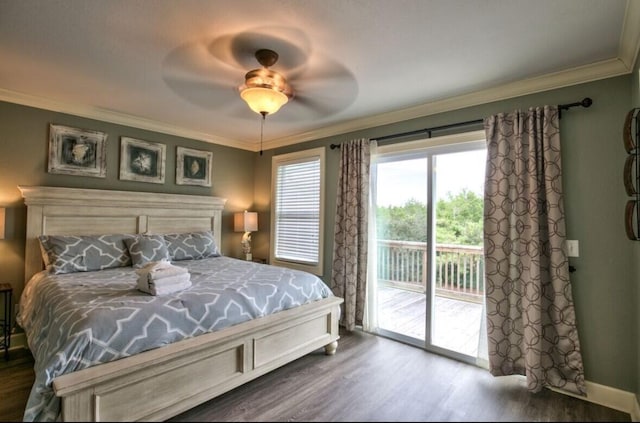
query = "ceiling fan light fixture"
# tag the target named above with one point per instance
(264, 90)
(262, 100)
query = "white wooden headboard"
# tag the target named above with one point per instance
(76, 211)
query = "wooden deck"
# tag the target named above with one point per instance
(456, 322)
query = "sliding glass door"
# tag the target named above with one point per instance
(401, 241)
(429, 285)
(457, 275)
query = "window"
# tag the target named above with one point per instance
(297, 215)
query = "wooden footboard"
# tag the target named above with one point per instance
(161, 383)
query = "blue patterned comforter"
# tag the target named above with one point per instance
(77, 320)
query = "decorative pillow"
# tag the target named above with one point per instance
(147, 248)
(68, 254)
(191, 245)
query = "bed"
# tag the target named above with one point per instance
(155, 379)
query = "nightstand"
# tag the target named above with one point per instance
(5, 324)
(260, 260)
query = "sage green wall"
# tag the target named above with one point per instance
(605, 284)
(24, 135)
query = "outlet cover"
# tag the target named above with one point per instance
(573, 248)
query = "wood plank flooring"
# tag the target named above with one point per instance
(370, 378)
(16, 379)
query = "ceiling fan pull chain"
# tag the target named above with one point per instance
(264, 115)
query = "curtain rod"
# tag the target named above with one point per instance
(586, 102)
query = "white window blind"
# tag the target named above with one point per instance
(297, 212)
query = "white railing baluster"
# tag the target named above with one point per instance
(458, 268)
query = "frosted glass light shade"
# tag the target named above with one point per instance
(264, 100)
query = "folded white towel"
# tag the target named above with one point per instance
(170, 289)
(164, 286)
(169, 280)
(160, 269)
(166, 290)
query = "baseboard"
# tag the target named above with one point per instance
(635, 414)
(18, 340)
(614, 398)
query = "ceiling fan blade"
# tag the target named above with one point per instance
(324, 88)
(193, 74)
(320, 67)
(238, 50)
(314, 106)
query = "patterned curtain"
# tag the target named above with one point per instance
(349, 275)
(531, 323)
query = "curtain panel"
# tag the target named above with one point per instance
(349, 270)
(531, 323)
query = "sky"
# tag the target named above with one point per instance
(400, 181)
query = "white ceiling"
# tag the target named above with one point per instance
(174, 66)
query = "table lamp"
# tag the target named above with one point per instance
(246, 222)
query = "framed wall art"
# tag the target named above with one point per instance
(142, 161)
(74, 151)
(193, 167)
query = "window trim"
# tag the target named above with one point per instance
(444, 143)
(279, 160)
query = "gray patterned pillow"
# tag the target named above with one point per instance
(191, 245)
(68, 254)
(147, 248)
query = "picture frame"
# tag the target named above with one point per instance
(193, 167)
(142, 161)
(75, 151)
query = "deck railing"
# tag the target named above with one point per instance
(459, 269)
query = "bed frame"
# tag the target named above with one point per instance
(163, 382)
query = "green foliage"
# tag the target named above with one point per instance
(403, 223)
(458, 220)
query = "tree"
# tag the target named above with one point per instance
(403, 223)
(458, 220)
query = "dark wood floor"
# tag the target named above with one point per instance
(16, 379)
(369, 379)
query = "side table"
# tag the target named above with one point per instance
(5, 323)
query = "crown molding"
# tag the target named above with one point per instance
(112, 117)
(588, 73)
(630, 34)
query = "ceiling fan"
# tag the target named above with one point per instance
(265, 90)
(209, 74)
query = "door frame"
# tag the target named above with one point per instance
(429, 147)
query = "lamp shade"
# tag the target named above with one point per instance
(264, 100)
(2, 212)
(245, 221)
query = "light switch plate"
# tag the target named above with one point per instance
(573, 249)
